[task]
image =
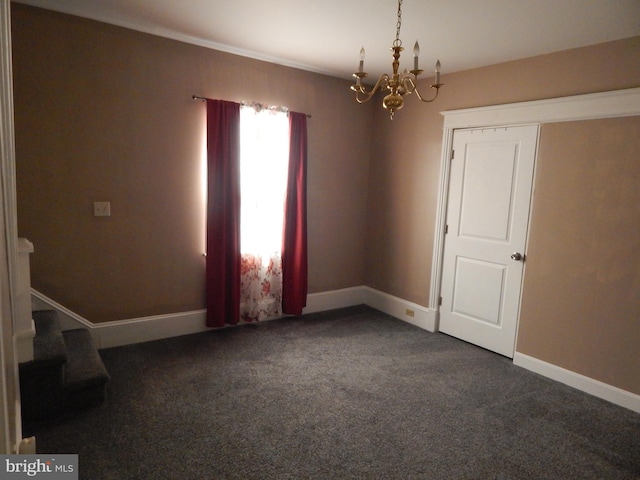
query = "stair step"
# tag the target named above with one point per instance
(66, 373)
(42, 378)
(48, 344)
(84, 367)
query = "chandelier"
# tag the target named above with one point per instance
(398, 84)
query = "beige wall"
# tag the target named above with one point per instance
(581, 301)
(105, 113)
(404, 178)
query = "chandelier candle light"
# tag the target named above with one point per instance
(398, 84)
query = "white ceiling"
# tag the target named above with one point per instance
(325, 36)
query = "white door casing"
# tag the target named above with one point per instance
(10, 422)
(491, 177)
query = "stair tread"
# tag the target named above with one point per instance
(84, 367)
(48, 345)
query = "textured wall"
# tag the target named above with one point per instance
(581, 300)
(105, 113)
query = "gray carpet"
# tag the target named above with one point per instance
(347, 394)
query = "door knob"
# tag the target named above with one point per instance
(517, 256)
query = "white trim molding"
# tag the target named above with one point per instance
(156, 327)
(125, 332)
(25, 328)
(585, 384)
(10, 416)
(144, 26)
(68, 319)
(401, 309)
(146, 329)
(332, 299)
(616, 103)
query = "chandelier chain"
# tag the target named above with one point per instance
(397, 42)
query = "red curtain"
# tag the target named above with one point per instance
(223, 213)
(294, 244)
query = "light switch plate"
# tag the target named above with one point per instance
(101, 209)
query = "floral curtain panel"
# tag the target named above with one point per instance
(260, 287)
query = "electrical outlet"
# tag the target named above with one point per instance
(101, 209)
(409, 312)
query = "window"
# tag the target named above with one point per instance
(273, 280)
(264, 159)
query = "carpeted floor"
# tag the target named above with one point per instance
(347, 394)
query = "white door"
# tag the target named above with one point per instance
(487, 218)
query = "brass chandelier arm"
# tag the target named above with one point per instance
(437, 88)
(411, 87)
(359, 89)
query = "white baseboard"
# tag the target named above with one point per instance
(156, 327)
(401, 309)
(136, 330)
(124, 332)
(145, 329)
(394, 306)
(585, 384)
(332, 299)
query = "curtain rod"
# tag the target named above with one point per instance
(260, 106)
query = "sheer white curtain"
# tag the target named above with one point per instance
(264, 158)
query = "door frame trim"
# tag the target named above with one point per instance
(10, 420)
(612, 104)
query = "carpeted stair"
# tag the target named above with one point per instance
(66, 372)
